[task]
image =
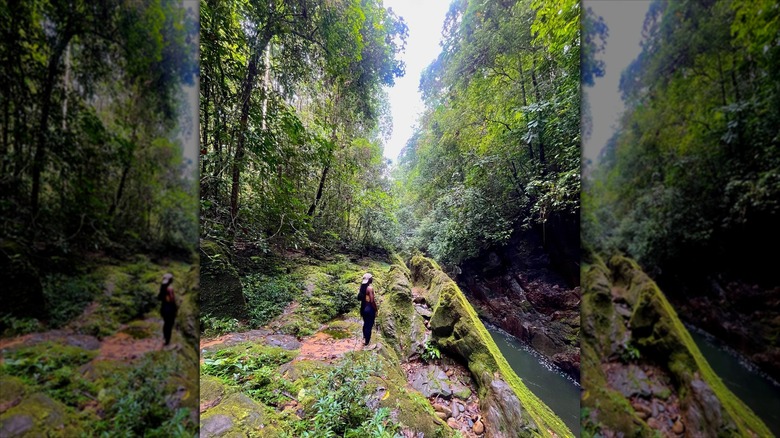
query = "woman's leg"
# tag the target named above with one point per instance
(368, 325)
(168, 326)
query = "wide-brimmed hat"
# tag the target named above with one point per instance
(367, 277)
(167, 278)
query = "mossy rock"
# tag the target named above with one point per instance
(235, 416)
(653, 327)
(510, 408)
(397, 318)
(39, 415)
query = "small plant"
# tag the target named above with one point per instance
(212, 326)
(12, 326)
(629, 352)
(267, 296)
(430, 352)
(339, 407)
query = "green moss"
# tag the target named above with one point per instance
(458, 329)
(43, 417)
(658, 333)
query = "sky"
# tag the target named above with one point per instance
(189, 117)
(624, 19)
(424, 19)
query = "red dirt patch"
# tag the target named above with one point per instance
(122, 346)
(324, 347)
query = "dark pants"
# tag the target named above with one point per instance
(169, 315)
(368, 324)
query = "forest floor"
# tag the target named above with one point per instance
(301, 360)
(105, 368)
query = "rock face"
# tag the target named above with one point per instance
(743, 315)
(642, 373)
(510, 408)
(399, 319)
(518, 289)
(220, 286)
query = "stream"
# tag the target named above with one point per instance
(553, 387)
(759, 392)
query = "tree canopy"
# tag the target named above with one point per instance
(90, 108)
(293, 113)
(497, 149)
(690, 182)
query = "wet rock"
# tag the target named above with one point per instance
(655, 423)
(16, 425)
(451, 422)
(678, 427)
(431, 381)
(478, 428)
(631, 381)
(287, 342)
(441, 415)
(215, 425)
(425, 313)
(623, 310)
(438, 407)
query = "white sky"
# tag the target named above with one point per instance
(189, 120)
(624, 20)
(425, 19)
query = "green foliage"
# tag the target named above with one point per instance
(36, 363)
(339, 407)
(254, 369)
(137, 402)
(68, 296)
(307, 167)
(266, 297)
(18, 326)
(692, 170)
(497, 148)
(629, 353)
(92, 92)
(211, 326)
(430, 352)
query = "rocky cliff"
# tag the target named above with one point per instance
(641, 371)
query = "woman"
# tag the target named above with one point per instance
(168, 307)
(368, 306)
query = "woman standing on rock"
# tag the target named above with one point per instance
(168, 306)
(368, 308)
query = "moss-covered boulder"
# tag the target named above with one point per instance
(221, 294)
(37, 415)
(510, 408)
(630, 326)
(398, 320)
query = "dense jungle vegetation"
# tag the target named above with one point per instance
(293, 118)
(689, 183)
(98, 201)
(294, 113)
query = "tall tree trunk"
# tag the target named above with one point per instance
(246, 99)
(313, 206)
(540, 128)
(39, 159)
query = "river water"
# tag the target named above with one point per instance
(545, 380)
(758, 391)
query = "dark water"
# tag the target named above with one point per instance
(556, 390)
(758, 391)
